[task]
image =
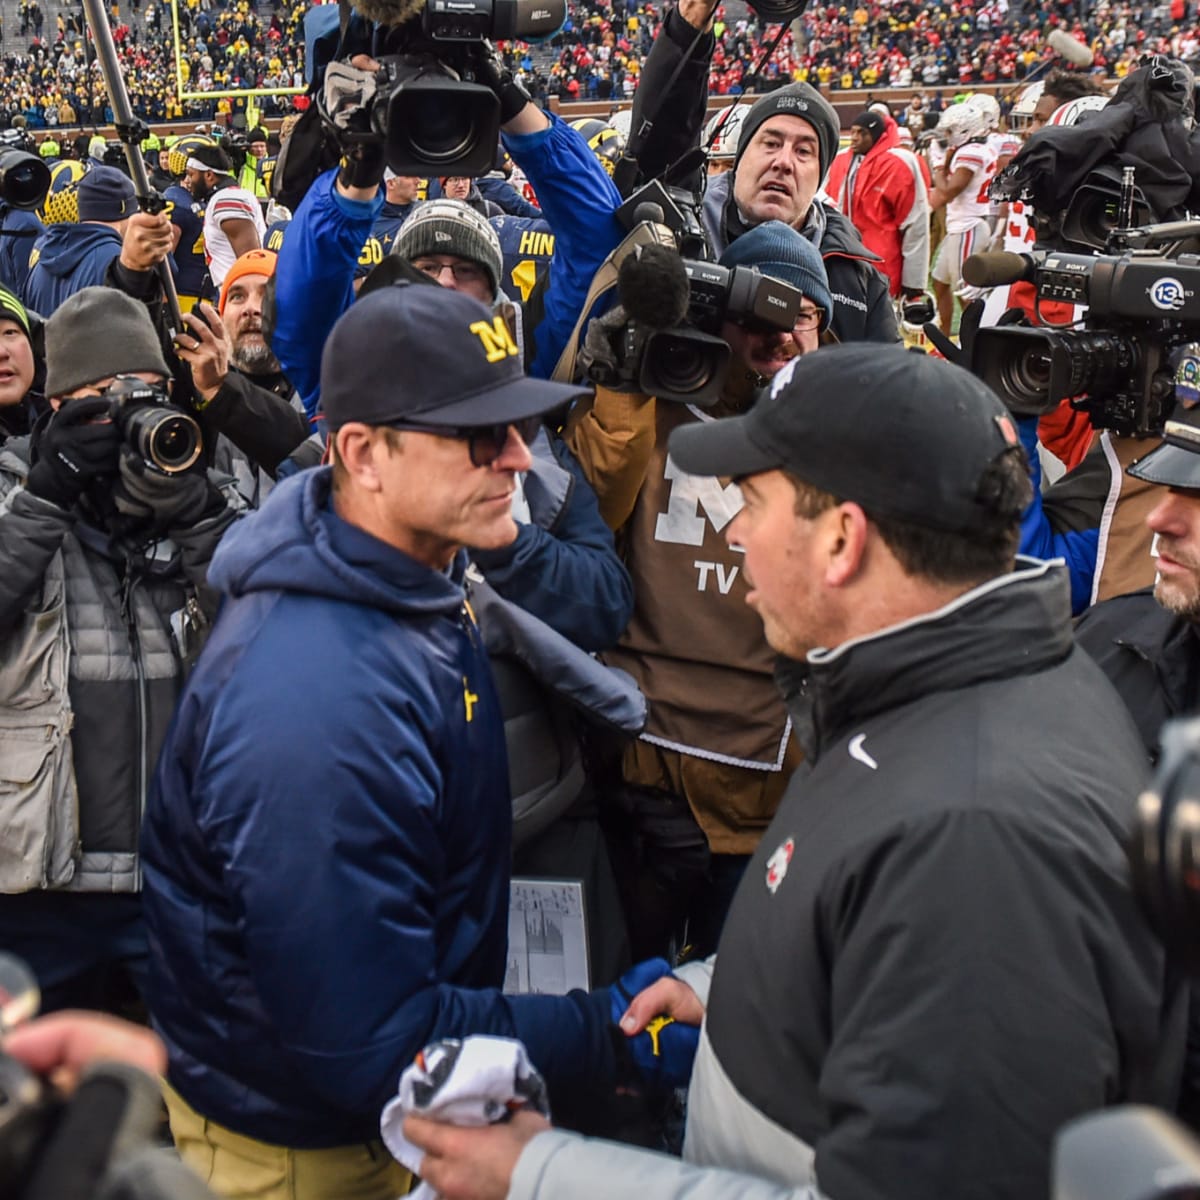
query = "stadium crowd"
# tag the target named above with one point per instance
(388, 536)
(597, 56)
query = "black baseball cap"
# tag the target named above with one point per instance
(1176, 461)
(429, 355)
(904, 434)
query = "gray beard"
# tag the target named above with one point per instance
(255, 358)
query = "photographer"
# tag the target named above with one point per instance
(786, 146)
(103, 561)
(694, 793)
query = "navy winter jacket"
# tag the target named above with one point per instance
(69, 258)
(327, 841)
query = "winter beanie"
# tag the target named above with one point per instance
(779, 251)
(95, 334)
(796, 100)
(451, 227)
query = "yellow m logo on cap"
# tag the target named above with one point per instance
(496, 340)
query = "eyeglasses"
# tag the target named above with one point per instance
(809, 318)
(463, 272)
(485, 443)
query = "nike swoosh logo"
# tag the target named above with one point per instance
(859, 754)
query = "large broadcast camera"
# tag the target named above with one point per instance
(1143, 302)
(429, 107)
(671, 346)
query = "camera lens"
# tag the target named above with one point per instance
(1027, 375)
(439, 132)
(171, 441)
(683, 366)
(24, 178)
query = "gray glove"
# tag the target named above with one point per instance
(164, 502)
(602, 357)
(347, 93)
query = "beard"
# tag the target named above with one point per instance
(1179, 595)
(252, 356)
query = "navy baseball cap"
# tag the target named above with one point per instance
(1176, 461)
(415, 354)
(905, 435)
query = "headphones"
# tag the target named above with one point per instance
(1164, 848)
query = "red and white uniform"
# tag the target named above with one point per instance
(967, 227)
(229, 203)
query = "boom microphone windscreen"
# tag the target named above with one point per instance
(653, 286)
(997, 268)
(1073, 50)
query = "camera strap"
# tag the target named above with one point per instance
(644, 233)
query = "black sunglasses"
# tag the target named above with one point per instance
(485, 443)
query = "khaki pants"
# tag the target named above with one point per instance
(240, 1168)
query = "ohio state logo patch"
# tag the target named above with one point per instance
(777, 865)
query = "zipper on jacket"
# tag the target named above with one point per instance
(135, 646)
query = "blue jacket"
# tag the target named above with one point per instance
(579, 201)
(562, 567)
(19, 231)
(69, 258)
(500, 191)
(327, 839)
(1077, 548)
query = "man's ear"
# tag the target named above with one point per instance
(356, 445)
(847, 544)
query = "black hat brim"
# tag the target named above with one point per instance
(1169, 466)
(513, 400)
(722, 447)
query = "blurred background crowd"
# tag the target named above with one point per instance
(48, 76)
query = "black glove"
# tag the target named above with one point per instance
(163, 502)
(345, 102)
(512, 96)
(78, 445)
(604, 353)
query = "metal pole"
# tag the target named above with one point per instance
(131, 131)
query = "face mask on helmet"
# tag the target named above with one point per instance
(729, 124)
(1021, 113)
(959, 125)
(988, 109)
(603, 141)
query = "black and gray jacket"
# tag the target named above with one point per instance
(93, 640)
(862, 305)
(934, 959)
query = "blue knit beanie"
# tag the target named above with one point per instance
(779, 251)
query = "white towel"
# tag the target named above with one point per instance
(477, 1081)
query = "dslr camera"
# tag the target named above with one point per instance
(1143, 302)
(164, 436)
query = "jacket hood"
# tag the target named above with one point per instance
(837, 237)
(889, 139)
(66, 246)
(1016, 624)
(295, 543)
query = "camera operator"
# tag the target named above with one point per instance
(786, 146)
(103, 561)
(695, 792)
(935, 956)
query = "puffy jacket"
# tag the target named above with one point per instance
(68, 259)
(862, 306)
(889, 206)
(934, 928)
(92, 665)
(317, 916)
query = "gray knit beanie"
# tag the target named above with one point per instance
(451, 227)
(98, 333)
(796, 100)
